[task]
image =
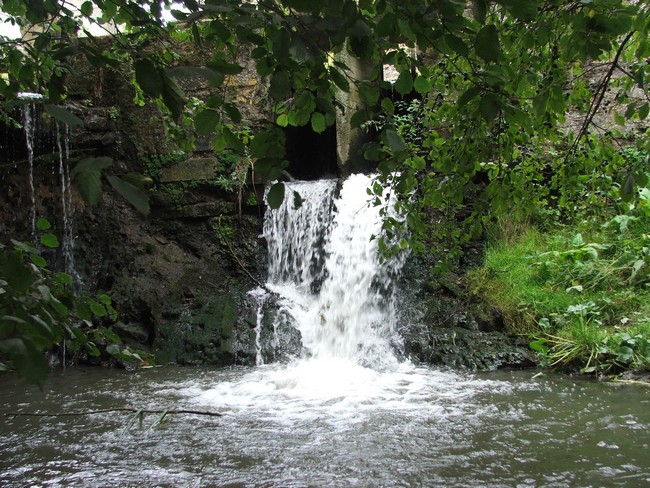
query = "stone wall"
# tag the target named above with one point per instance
(179, 277)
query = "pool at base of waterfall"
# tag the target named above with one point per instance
(324, 422)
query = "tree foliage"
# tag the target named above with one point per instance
(496, 79)
(40, 312)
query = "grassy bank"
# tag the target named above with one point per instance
(581, 292)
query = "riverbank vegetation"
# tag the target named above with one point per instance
(43, 311)
(580, 286)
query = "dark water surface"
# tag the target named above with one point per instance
(316, 424)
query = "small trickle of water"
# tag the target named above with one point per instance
(260, 296)
(63, 147)
(29, 109)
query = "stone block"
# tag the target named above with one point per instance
(194, 169)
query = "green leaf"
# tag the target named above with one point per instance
(487, 43)
(86, 9)
(23, 246)
(91, 164)
(275, 196)
(61, 309)
(539, 345)
(419, 163)
(149, 77)
(38, 260)
(131, 193)
(297, 200)
(233, 112)
(457, 44)
(96, 308)
(524, 10)
(90, 186)
(626, 192)
(625, 355)
(63, 115)
(105, 299)
(64, 278)
(339, 79)
(92, 349)
(50, 240)
(43, 224)
(369, 93)
(422, 85)
(172, 96)
(16, 274)
(206, 121)
(112, 336)
(404, 83)
(83, 311)
(644, 111)
(373, 152)
(394, 140)
(318, 122)
(359, 117)
(224, 67)
(282, 120)
(31, 365)
(387, 106)
(489, 106)
(280, 83)
(467, 96)
(479, 9)
(88, 177)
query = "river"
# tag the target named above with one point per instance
(347, 411)
(417, 427)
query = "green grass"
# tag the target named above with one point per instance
(585, 302)
(508, 280)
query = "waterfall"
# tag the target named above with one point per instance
(324, 260)
(328, 279)
(295, 236)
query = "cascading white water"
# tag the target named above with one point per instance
(323, 257)
(295, 236)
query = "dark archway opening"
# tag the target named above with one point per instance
(311, 156)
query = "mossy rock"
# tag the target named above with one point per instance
(199, 337)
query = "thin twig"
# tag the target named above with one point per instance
(599, 96)
(107, 410)
(245, 269)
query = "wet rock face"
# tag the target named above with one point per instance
(443, 324)
(265, 330)
(180, 288)
(471, 349)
